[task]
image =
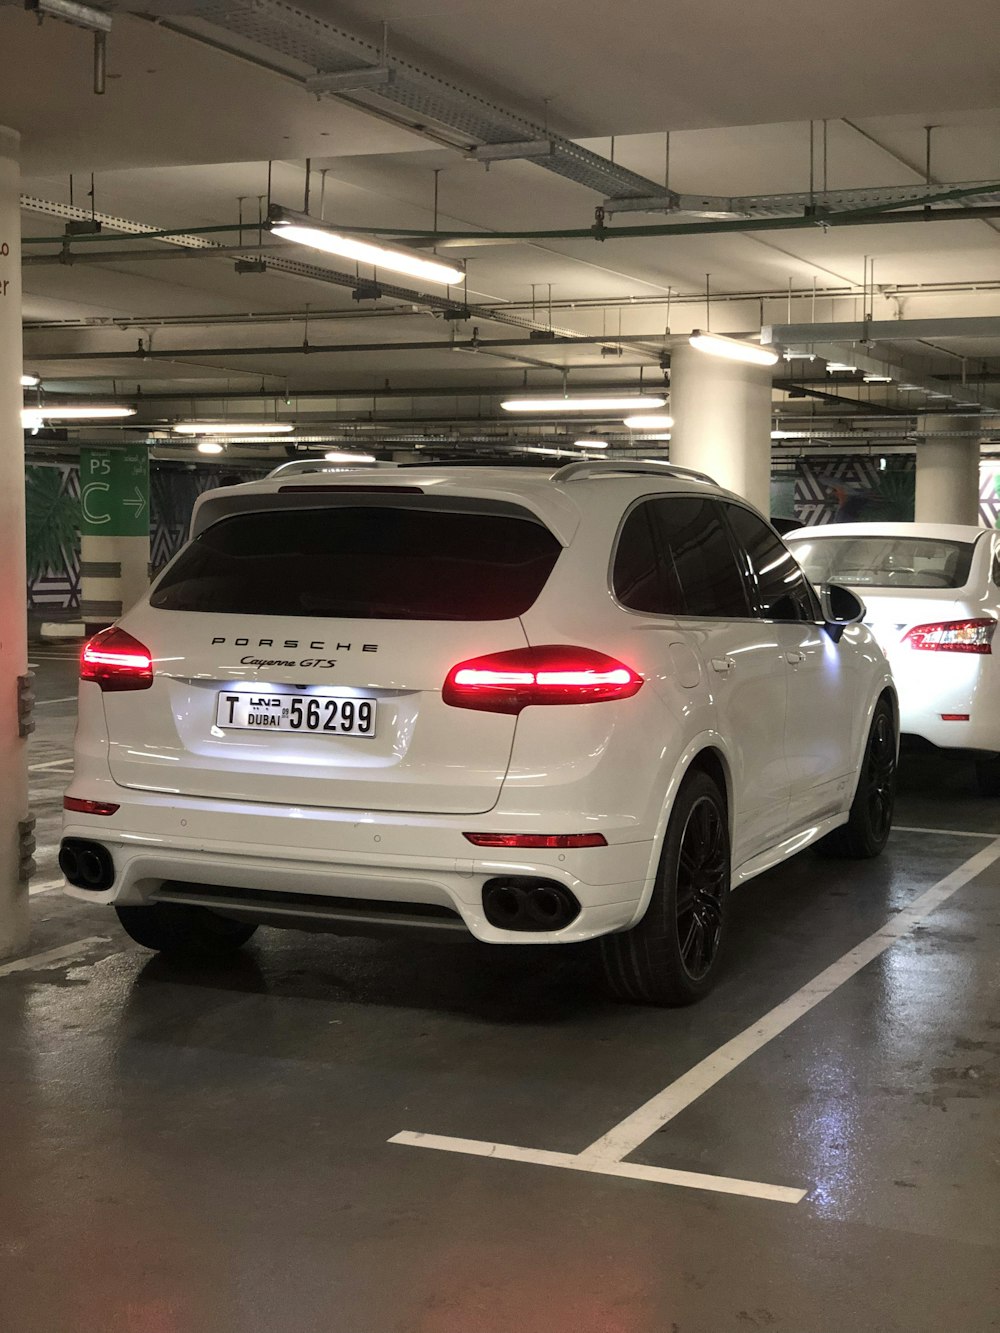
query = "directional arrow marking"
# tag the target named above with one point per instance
(138, 504)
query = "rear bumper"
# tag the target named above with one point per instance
(418, 859)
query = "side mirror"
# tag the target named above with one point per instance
(841, 608)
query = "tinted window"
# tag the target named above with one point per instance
(781, 589)
(638, 577)
(996, 564)
(365, 562)
(699, 558)
(675, 558)
(886, 562)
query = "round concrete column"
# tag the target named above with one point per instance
(15, 833)
(722, 422)
(947, 470)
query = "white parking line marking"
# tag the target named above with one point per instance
(695, 1180)
(635, 1129)
(52, 763)
(47, 886)
(69, 699)
(605, 1156)
(52, 957)
(951, 832)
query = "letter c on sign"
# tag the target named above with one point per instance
(88, 513)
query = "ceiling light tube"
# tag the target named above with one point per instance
(878, 379)
(590, 444)
(618, 403)
(363, 250)
(732, 349)
(210, 447)
(654, 421)
(79, 412)
(233, 427)
(29, 381)
(342, 456)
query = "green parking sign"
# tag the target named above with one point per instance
(114, 491)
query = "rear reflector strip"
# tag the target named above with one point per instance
(537, 839)
(83, 807)
(954, 717)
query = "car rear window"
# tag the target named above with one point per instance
(885, 562)
(362, 562)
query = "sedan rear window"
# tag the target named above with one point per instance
(362, 562)
(885, 562)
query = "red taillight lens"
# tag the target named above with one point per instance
(537, 839)
(89, 807)
(116, 661)
(953, 636)
(551, 674)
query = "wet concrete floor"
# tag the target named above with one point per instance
(207, 1150)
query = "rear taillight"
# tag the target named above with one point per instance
(953, 636)
(116, 661)
(551, 674)
(547, 840)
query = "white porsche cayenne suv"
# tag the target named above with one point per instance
(532, 707)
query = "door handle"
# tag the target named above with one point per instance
(723, 665)
(795, 658)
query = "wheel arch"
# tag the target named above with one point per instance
(706, 754)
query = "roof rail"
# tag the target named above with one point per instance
(607, 467)
(299, 465)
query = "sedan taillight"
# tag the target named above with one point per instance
(953, 636)
(116, 661)
(550, 674)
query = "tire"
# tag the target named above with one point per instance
(870, 822)
(671, 957)
(988, 776)
(182, 931)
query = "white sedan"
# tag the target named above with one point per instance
(933, 597)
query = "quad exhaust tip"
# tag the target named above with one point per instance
(86, 865)
(520, 902)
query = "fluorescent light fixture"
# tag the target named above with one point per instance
(878, 379)
(233, 427)
(619, 403)
(840, 365)
(789, 435)
(652, 421)
(342, 456)
(92, 411)
(210, 447)
(590, 444)
(396, 258)
(70, 11)
(790, 354)
(29, 381)
(733, 349)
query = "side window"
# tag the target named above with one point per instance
(702, 576)
(638, 576)
(782, 591)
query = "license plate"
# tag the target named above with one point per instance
(311, 714)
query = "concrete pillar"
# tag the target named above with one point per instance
(15, 833)
(947, 469)
(722, 422)
(114, 526)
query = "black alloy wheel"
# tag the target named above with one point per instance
(702, 885)
(671, 956)
(870, 822)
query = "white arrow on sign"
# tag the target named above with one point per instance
(138, 504)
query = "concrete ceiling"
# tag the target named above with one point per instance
(185, 130)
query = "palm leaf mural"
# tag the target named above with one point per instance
(52, 521)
